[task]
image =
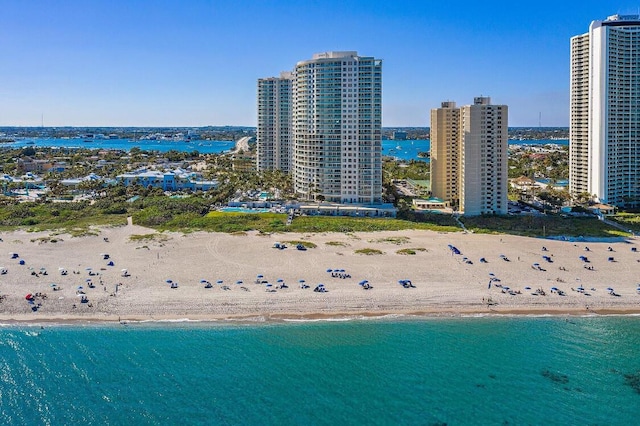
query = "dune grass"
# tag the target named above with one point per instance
(369, 251)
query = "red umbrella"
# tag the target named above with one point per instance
(29, 296)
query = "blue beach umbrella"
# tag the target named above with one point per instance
(169, 281)
(80, 287)
(279, 280)
(219, 282)
(203, 281)
(239, 282)
(301, 281)
(329, 270)
(527, 288)
(260, 276)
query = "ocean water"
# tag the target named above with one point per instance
(398, 371)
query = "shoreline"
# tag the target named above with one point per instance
(249, 319)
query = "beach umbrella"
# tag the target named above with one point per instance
(87, 269)
(168, 281)
(239, 282)
(80, 287)
(279, 280)
(329, 270)
(554, 288)
(203, 281)
(269, 285)
(219, 282)
(29, 296)
(53, 285)
(609, 289)
(527, 288)
(505, 287)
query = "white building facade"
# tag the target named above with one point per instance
(337, 129)
(605, 111)
(274, 136)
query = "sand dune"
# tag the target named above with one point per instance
(444, 283)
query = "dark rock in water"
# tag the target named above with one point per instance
(633, 380)
(492, 376)
(555, 377)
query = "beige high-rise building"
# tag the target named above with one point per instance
(445, 146)
(274, 139)
(483, 158)
(470, 149)
(604, 136)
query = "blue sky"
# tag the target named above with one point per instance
(195, 63)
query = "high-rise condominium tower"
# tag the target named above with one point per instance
(337, 123)
(469, 156)
(483, 158)
(445, 147)
(604, 144)
(274, 134)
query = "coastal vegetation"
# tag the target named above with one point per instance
(369, 251)
(306, 244)
(391, 240)
(541, 226)
(410, 251)
(104, 202)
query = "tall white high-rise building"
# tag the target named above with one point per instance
(604, 145)
(274, 135)
(469, 156)
(337, 124)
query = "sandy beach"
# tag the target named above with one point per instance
(444, 283)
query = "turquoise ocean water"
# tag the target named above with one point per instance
(416, 371)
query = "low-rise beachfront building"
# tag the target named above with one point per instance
(176, 180)
(602, 209)
(336, 209)
(74, 182)
(432, 204)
